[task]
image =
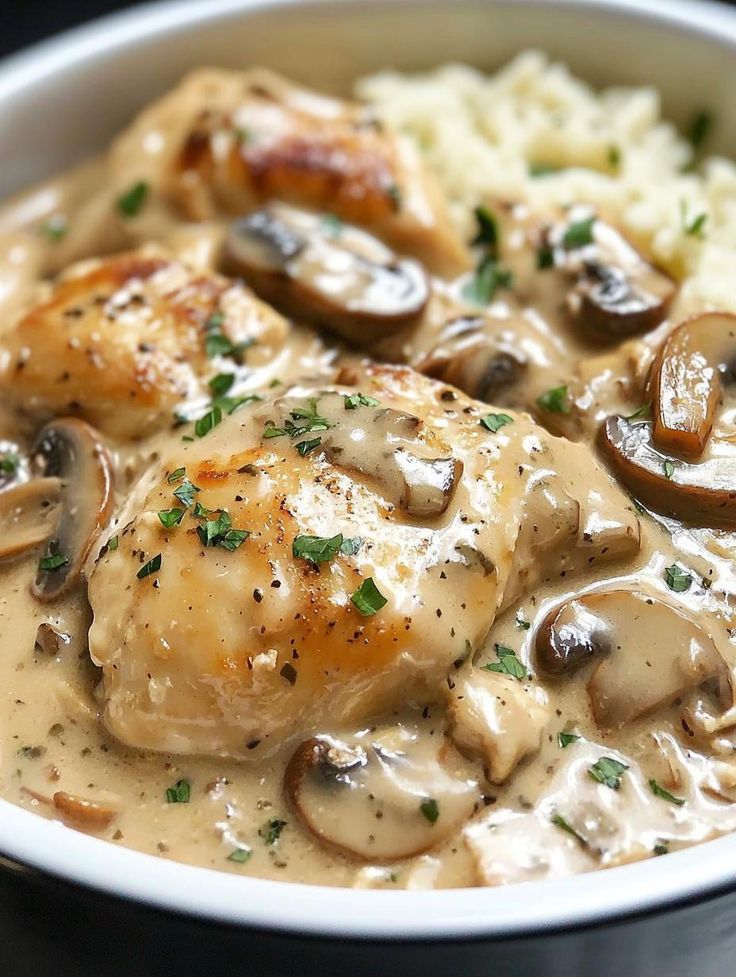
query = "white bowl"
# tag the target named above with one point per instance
(60, 102)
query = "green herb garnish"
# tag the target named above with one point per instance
(699, 129)
(9, 463)
(332, 225)
(643, 413)
(176, 475)
(353, 401)
(112, 543)
(613, 156)
(521, 622)
(220, 384)
(53, 562)
(608, 772)
(560, 822)
(665, 794)
(579, 234)
(271, 830)
(208, 421)
(542, 169)
(507, 664)
(368, 599)
(304, 447)
(545, 257)
(556, 400)
(130, 203)
(677, 579)
(430, 809)
(669, 469)
(170, 517)
(153, 566)
(186, 491)
(485, 282)
(219, 532)
(55, 228)
(321, 549)
(240, 856)
(494, 422)
(565, 739)
(180, 793)
(487, 234)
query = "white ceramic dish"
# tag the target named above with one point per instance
(62, 100)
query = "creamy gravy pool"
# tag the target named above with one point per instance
(472, 783)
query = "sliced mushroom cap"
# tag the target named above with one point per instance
(685, 382)
(703, 493)
(471, 358)
(617, 292)
(376, 803)
(319, 270)
(68, 450)
(647, 652)
(29, 514)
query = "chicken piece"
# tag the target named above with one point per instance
(497, 718)
(121, 341)
(235, 140)
(388, 526)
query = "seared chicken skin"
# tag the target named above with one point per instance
(121, 341)
(235, 140)
(319, 559)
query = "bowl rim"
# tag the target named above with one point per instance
(30, 843)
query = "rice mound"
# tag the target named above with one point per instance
(481, 134)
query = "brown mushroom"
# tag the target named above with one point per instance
(50, 640)
(685, 381)
(319, 270)
(70, 451)
(29, 513)
(617, 292)
(372, 802)
(470, 357)
(648, 653)
(703, 493)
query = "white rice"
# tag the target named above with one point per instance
(480, 134)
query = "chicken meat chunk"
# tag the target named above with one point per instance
(324, 557)
(121, 341)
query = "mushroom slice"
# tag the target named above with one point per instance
(28, 515)
(70, 451)
(51, 640)
(81, 813)
(685, 381)
(376, 803)
(617, 292)
(652, 652)
(495, 717)
(703, 493)
(317, 269)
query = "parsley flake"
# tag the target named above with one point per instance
(579, 234)
(699, 129)
(239, 855)
(521, 622)
(487, 234)
(507, 664)
(693, 226)
(176, 475)
(677, 579)
(494, 422)
(220, 384)
(430, 809)
(271, 830)
(208, 421)
(55, 228)
(180, 793)
(608, 772)
(317, 549)
(9, 463)
(53, 562)
(219, 532)
(556, 400)
(661, 849)
(332, 225)
(485, 282)
(130, 203)
(642, 413)
(112, 543)
(545, 257)
(669, 469)
(560, 822)
(368, 599)
(665, 794)
(565, 739)
(353, 401)
(304, 447)
(170, 517)
(153, 566)
(186, 492)
(542, 169)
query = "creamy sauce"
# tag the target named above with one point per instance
(178, 711)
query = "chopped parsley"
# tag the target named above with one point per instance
(488, 277)
(9, 463)
(699, 129)
(170, 517)
(130, 203)
(208, 421)
(556, 400)
(301, 420)
(545, 257)
(560, 822)
(677, 579)
(521, 622)
(271, 830)
(55, 228)
(665, 794)
(487, 234)
(219, 532)
(353, 401)
(332, 225)
(565, 739)
(608, 772)
(430, 809)
(669, 469)
(220, 384)
(176, 475)
(613, 156)
(368, 599)
(304, 447)
(216, 343)
(507, 664)
(693, 226)
(661, 849)
(180, 793)
(53, 562)
(542, 169)
(186, 491)
(239, 855)
(153, 566)
(494, 422)
(394, 194)
(579, 234)
(112, 543)
(321, 549)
